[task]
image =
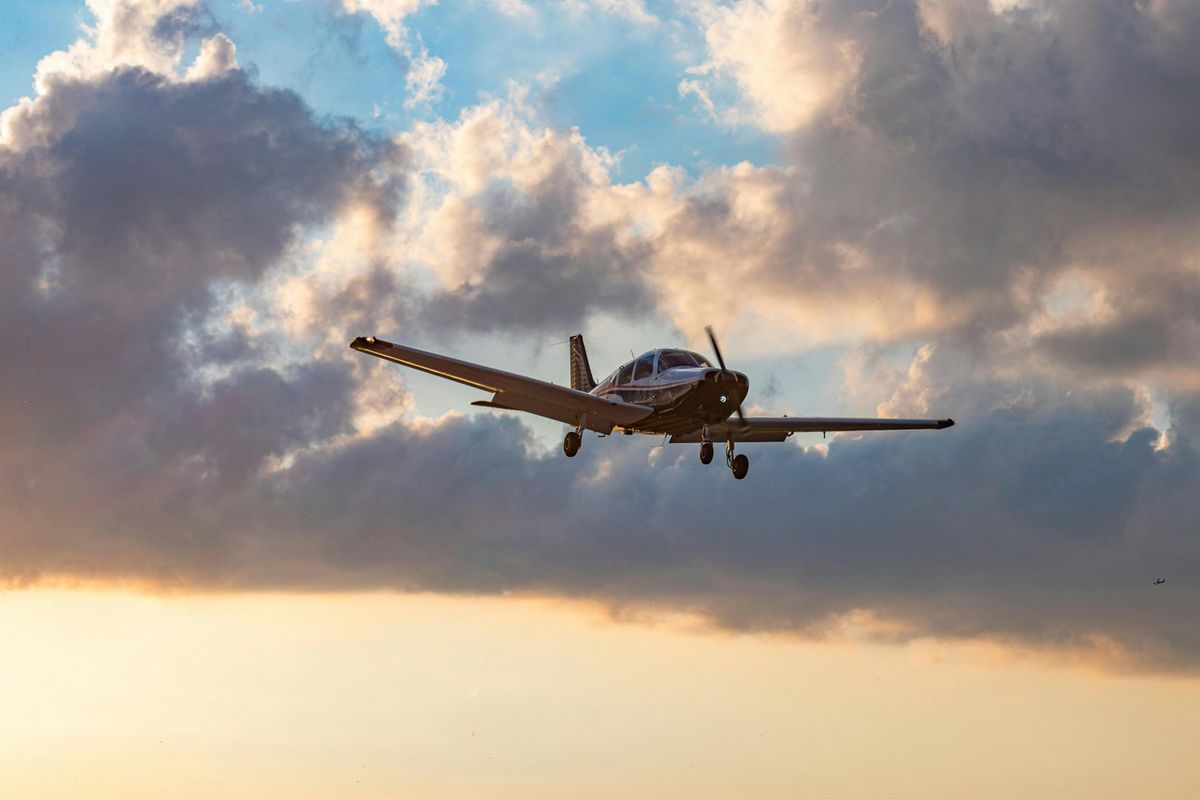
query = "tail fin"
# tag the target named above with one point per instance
(581, 371)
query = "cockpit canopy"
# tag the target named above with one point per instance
(680, 358)
(652, 363)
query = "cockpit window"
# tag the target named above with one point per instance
(625, 375)
(675, 358)
(701, 361)
(644, 367)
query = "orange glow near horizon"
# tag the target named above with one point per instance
(116, 694)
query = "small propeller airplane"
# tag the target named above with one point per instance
(1159, 581)
(667, 392)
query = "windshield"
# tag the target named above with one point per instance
(675, 358)
(701, 361)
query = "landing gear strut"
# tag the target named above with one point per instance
(706, 447)
(739, 465)
(574, 439)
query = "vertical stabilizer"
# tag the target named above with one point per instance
(581, 371)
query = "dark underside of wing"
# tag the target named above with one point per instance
(776, 429)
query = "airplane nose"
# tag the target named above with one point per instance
(741, 387)
(729, 387)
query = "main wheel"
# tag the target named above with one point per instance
(706, 452)
(741, 466)
(571, 444)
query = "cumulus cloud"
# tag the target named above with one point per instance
(187, 252)
(967, 156)
(515, 220)
(217, 55)
(789, 65)
(131, 201)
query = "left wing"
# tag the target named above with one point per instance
(776, 429)
(513, 392)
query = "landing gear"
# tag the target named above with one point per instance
(573, 440)
(739, 465)
(706, 448)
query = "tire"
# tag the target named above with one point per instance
(741, 466)
(571, 444)
(706, 452)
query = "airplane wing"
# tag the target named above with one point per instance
(776, 429)
(512, 392)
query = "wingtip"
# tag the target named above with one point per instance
(361, 342)
(945, 423)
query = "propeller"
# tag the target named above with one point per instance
(712, 337)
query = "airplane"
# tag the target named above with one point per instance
(667, 392)
(1158, 581)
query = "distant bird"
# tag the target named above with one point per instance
(1157, 581)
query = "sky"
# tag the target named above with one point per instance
(237, 555)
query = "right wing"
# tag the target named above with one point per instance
(511, 391)
(776, 429)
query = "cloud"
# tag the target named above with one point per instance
(967, 156)
(789, 65)
(425, 72)
(391, 16)
(1033, 526)
(634, 11)
(132, 201)
(515, 9)
(187, 253)
(218, 55)
(514, 219)
(424, 78)
(150, 33)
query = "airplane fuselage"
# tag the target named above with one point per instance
(684, 398)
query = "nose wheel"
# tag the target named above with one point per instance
(706, 452)
(739, 465)
(571, 444)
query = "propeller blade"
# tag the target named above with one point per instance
(712, 337)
